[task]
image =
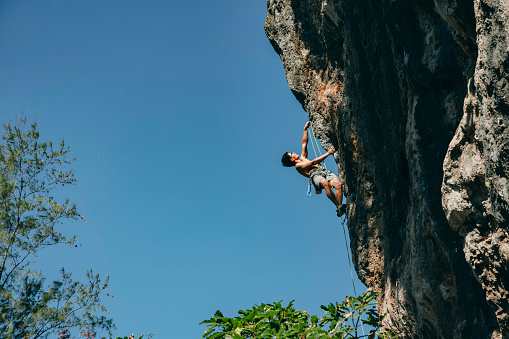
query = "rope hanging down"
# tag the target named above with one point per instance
(313, 142)
(343, 218)
(313, 138)
(343, 222)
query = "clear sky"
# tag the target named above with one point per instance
(178, 113)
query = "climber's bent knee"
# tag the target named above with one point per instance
(325, 184)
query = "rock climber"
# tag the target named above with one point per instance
(318, 176)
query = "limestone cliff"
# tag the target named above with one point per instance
(414, 95)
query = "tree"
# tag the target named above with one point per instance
(268, 321)
(30, 220)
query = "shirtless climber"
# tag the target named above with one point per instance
(318, 176)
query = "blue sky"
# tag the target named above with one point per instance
(178, 113)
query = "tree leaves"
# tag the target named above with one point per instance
(30, 218)
(274, 321)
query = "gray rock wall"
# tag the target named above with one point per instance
(413, 95)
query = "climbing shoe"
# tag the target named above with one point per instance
(341, 210)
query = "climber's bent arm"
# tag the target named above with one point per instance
(309, 164)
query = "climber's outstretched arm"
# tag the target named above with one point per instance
(305, 140)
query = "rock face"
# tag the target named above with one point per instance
(414, 95)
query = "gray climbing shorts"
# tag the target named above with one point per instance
(316, 175)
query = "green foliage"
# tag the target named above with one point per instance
(132, 337)
(30, 219)
(267, 321)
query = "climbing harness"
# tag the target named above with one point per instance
(318, 171)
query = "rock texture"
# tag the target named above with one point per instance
(414, 96)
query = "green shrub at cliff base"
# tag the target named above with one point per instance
(30, 220)
(268, 321)
(150, 336)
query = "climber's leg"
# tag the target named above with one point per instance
(328, 190)
(339, 189)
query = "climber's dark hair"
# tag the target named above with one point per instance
(286, 160)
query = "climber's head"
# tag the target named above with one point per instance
(288, 159)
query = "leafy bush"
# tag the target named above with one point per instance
(132, 337)
(268, 321)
